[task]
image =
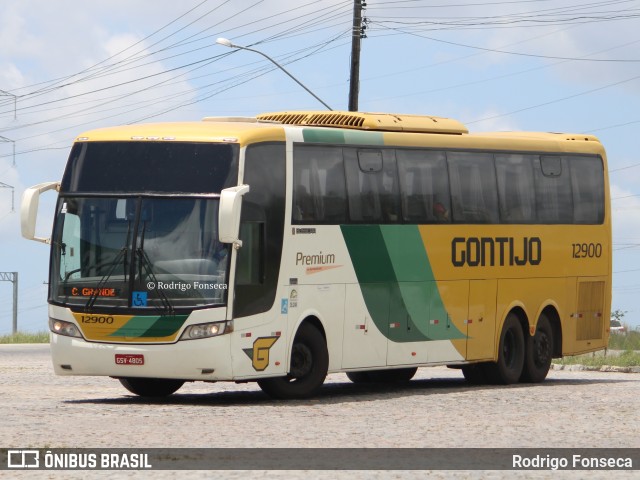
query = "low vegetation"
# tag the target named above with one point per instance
(21, 337)
(627, 358)
(628, 341)
(623, 351)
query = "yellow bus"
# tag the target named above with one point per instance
(283, 247)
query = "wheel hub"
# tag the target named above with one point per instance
(301, 360)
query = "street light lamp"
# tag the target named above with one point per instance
(227, 43)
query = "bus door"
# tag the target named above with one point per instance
(448, 315)
(481, 321)
(408, 323)
(365, 340)
(427, 322)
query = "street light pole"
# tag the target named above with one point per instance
(227, 43)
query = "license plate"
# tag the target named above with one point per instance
(129, 359)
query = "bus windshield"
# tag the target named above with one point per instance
(136, 226)
(138, 253)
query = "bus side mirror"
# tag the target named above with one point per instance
(229, 214)
(29, 210)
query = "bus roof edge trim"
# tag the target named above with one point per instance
(231, 119)
(387, 122)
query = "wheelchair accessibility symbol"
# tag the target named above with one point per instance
(139, 299)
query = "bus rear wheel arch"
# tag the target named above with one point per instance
(308, 367)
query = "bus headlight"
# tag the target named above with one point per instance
(61, 327)
(205, 330)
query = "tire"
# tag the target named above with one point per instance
(539, 352)
(475, 373)
(151, 387)
(309, 365)
(359, 377)
(508, 368)
(396, 375)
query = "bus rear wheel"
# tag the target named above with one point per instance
(475, 373)
(151, 387)
(511, 350)
(309, 365)
(539, 351)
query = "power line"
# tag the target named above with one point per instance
(328, 13)
(506, 52)
(557, 100)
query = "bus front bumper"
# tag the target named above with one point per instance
(207, 359)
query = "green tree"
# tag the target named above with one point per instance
(618, 314)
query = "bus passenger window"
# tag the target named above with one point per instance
(424, 186)
(249, 266)
(372, 185)
(515, 188)
(554, 202)
(587, 185)
(473, 187)
(318, 185)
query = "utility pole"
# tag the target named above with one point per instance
(13, 278)
(357, 34)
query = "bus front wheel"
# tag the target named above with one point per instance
(308, 369)
(151, 387)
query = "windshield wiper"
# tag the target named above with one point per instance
(122, 254)
(145, 263)
(114, 263)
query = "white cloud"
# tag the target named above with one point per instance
(625, 212)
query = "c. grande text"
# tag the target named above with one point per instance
(495, 251)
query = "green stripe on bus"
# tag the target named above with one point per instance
(414, 276)
(417, 283)
(165, 326)
(369, 253)
(342, 137)
(397, 282)
(150, 326)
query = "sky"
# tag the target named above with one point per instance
(535, 65)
